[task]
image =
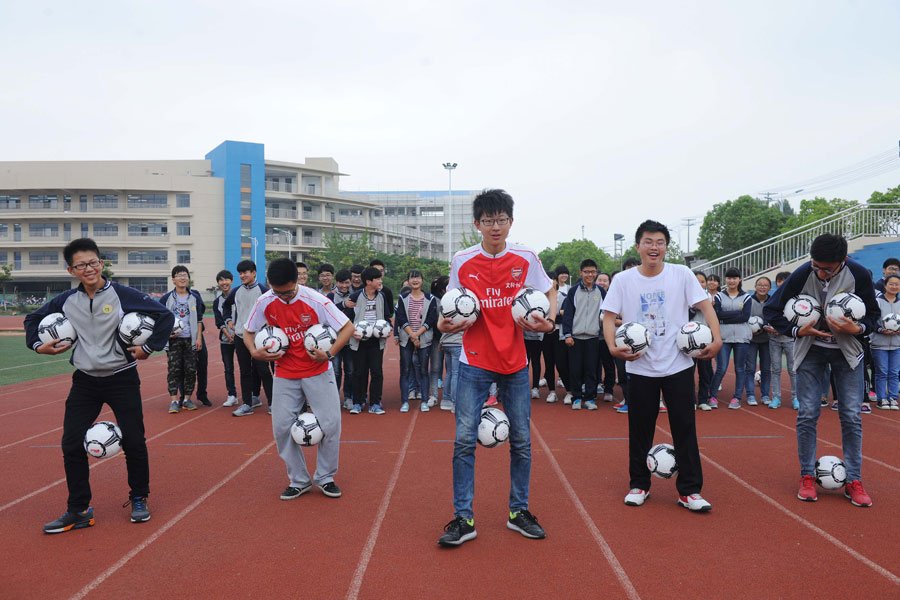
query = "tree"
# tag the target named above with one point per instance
(272, 255)
(5, 277)
(344, 251)
(572, 253)
(815, 209)
(470, 238)
(736, 224)
(891, 196)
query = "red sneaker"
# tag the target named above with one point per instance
(491, 401)
(858, 496)
(807, 491)
(618, 405)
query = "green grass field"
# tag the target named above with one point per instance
(21, 364)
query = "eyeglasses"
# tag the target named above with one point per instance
(288, 294)
(94, 265)
(590, 272)
(825, 271)
(491, 222)
(652, 244)
(182, 275)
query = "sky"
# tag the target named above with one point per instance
(592, 114)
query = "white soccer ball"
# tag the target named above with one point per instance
(177, 328)
(382, 329)
(757, 377)
(846, 305)
(57, 326)
(661, 461)
(529, 302)
(493, 429)
(135, 328)
(891, 322)
(693, 338)
(633, 336)
(103, 439)
(321, 336)
(831, 472)
(273, 339)
(365, 329)
(459, 305)
(306, 430)
(802, 310)
(756, 324)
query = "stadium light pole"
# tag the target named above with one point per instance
(450, 166)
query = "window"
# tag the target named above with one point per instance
(17, 261)
(9, 202)
(82, 203)
(307, 236)
(43, 257)
(246, 171)
(67, 203)
(67, 231)
(148, 229)
(182, 200)
(147, 201)
(106, 230)
(84, 230)
(377, 213)
(43, 229)
(4, 230)
(246, 204)
(183, 257)
(109, 256)
(431, 211)
(106, 201)
(148, 257)
(4, 257)
(43, 201)
(182, 228)
(149, 285)
(351, 212)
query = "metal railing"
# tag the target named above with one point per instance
(867, 220)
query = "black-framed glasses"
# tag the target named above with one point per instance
(828, 272)
(288, 294)
(94, 264)
(498, 221)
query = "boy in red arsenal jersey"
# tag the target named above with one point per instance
(301, 376)
(493, 350)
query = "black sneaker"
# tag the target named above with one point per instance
(458, 531)
(526, 523)
(205, 401)
(330, 489)
(140, 512)
(294, 492)
(71, 520)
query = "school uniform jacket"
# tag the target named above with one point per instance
(429, 319)
(196, 306)
(221, 317)
(240, 302)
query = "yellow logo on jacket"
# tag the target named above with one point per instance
(107, 308)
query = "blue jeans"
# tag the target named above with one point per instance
(850, 385)
(740, 360)
(413, 370)
(776, 349)
(765, 368)
(474, 384)
(436, 368)
(887, 371)
(451, 379)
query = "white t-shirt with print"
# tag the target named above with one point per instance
(660, 304)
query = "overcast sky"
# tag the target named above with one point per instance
(589, 113)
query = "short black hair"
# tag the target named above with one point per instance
(79, 245)
(224, 274)
(561, 270)
(357, 269)
(179, 269)
(326, 268)
(439, 285)
(631, 262)
(246, 265)
(891, 276)
(733, 272)
(891, 262)
(376, 262)
(588, 262)
(298, 265)
(370, 273)
(781, 276)
(281, 271)
(492, 202)
(414, 273)
(713, 277)
(342, 275)
(829, 248)
(649, 226)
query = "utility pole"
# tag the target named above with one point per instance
(688, 221)
(450, 166)
(582, 232)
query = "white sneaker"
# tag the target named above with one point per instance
(559, 383)
(694, 502)
(404, 407)
(636, 497)
(567, 399)
(542, 382)
(608, 397)
(411, 395)
(231, 401)
(256, 402)
(432, 401)
(424, 407)
(446, 404)
(348, 403)
(534, 393)
(418, 395)
(551, 397)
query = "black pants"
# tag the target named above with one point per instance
(643, 409)
(704, 380)
(533, 351)
(608, 363)
(583, 359)
(202, 366)
(369, 358)
(122, 392)
(623, 379)
(248, 366)
(562, 363)
(343, 369)
(548, 349)
(228, 363)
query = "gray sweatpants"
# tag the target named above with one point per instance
(289, 396)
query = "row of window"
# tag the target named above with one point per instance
(100, 201)
(182, 228)
(136, 257)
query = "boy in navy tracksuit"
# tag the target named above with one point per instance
(184, 347)
(343, 360)
(104, 372)
(224, 279)
(581, 333)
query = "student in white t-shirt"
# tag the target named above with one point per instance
(658, 295)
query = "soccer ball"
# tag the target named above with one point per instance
(57, 326)
(757, 377)
(272, 339)
(802, 310)
(633, 336)
(661, 461)
(493, 429)
(530, 302)
(846, 305)
(321, 336)
(459, 305)
(831, 473)
(103, 439)
(177, 328)
(382, 329)
(693, 338)
(756, 324)
(306, 430)
(891, 322)
(365, 329)
(135, 328)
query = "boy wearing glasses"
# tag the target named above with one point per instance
(581, 333)
(493, 350)
(187, 306)
(104, 372)
(832, 342)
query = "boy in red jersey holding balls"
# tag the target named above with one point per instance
(493, 350)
